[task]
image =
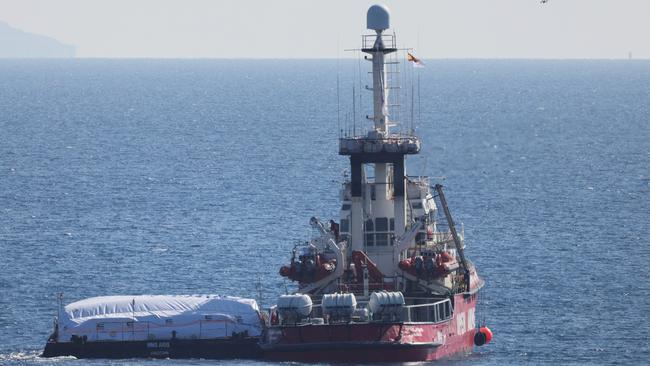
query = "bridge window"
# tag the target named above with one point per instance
(381, 224)
(381, 239)
(345, 225)
(370, 240)
(378, 232)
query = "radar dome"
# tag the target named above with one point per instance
(378, 18)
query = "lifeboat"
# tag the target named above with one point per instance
(429, 265)
(310, 267)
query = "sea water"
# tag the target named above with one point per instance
(193, 177)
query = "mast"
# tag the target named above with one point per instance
(378, 20)
(380, 147)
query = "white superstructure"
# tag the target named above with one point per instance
(388, 231)
(377, 210)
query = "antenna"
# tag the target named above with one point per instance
(258, 285)
(133, 319)
(412, 104)
(59, 298)
(338, 101)
(354, 106)
(359, 75)
(338, 97)
(419, 100)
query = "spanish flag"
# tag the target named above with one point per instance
(416, 61)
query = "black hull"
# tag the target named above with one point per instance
(178, 348)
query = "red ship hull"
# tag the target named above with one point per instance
(376, 341)
(351, 353)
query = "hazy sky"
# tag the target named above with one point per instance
(312, 29)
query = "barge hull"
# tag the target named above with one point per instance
(179, 348)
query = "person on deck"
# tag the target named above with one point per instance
(334, 228)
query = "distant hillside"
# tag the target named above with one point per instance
(15, 43)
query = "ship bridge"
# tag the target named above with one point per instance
(397, 145)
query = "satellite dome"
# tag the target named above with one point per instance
(378, 18)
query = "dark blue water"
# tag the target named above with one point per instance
(170, 177)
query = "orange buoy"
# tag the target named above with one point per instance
(488, 334)
(479, 338)
(482, 336)
(285, 271)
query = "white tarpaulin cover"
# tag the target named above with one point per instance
(150, 317)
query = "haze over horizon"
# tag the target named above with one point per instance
(558, 29)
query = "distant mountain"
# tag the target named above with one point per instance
(15, 43)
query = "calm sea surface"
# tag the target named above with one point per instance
(185, 177)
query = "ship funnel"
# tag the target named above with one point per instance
(378, 18)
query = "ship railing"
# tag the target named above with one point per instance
(428, 313)
(438, 238)
(441, 236)
(404, 144)
(368, 41)
(419, 179)
(388, 283)
(436, 312)
(432, 242)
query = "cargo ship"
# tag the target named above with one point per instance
(390, 281)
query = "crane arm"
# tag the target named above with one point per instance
(403, 242)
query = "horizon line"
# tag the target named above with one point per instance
(189, 58)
